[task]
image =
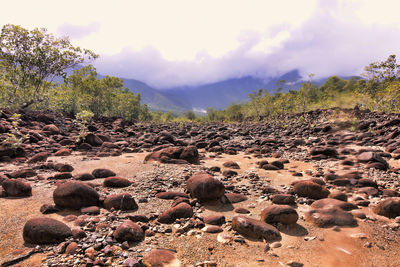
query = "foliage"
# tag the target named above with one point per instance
(30, 60)
(82, 120)
(15, 138)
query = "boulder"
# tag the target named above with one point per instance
(235, 197)
(128, 231)
(51, 128)
(93, 140)
(279, 214)
(75, 195)
(171, 195)
(103, 173)
(214, 219)
(84, 176)
(331, 216)
(45, 231)
(389, 207)
(117, 182)
(332, 202)
(255, 229)
(161, 258)
(182, 210)
(205, 187)
(283, 199)
(39, 157)
(310, 189)
(17, 188)
(122, 201)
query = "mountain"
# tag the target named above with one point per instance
(156, 100)
(218, 95)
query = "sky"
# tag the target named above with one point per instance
(170, 43)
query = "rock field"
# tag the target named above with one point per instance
(315, 189)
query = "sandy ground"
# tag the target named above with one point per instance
(304, 243)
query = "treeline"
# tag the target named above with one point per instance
(34, 69)
(32, 61)
(378, 89)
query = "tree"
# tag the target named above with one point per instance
(30, 60)
(380, 75)
(190, 115)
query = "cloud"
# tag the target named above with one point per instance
(78, 31)
(333, 41)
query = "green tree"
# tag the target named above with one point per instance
(30, 60)
(190, 115)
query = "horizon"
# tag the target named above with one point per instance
(186, 43)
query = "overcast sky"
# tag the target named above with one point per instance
(170, 43)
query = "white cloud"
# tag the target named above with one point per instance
(184, 42)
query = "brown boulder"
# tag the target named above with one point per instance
(332, 202)
(17, 188)
(231, 165)
(182, 210)
(205, 187)
(161, 258)
(310, 189)
(63, 152)
(75, 195)
(84, 176)
(171, 195)
(389, 207)
(215, 219)
(103, 173)
(42, 156)
(255, 229)
(51, 128)
(283, 199)
(117, 182)
(45, 231)
(122, 201)
(235, 197)
(129, 231)
(93, 140)
(331, 216)
(279, 214)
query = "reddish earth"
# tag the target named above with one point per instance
(373, 242)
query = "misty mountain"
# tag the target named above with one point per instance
(217, 95)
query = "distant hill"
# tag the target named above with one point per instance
(218, 95)
(156, 100)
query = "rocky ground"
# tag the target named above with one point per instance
(313, 189)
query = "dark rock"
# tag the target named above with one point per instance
(122, 201)
(17, 188)
(117, 182)
(255, 229)
(279, 214)
(235, 197)
(129, 231)
(328, 217)
(171, 195)
(283, 199)
(215, 219)
(75, 195)
(42, 156)
(204, 187)
(389, 207)
(103, 173)
(183, 210)
(45, 231)
(160, 258)
(310, 189)
(49, 208)
(84, 177)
